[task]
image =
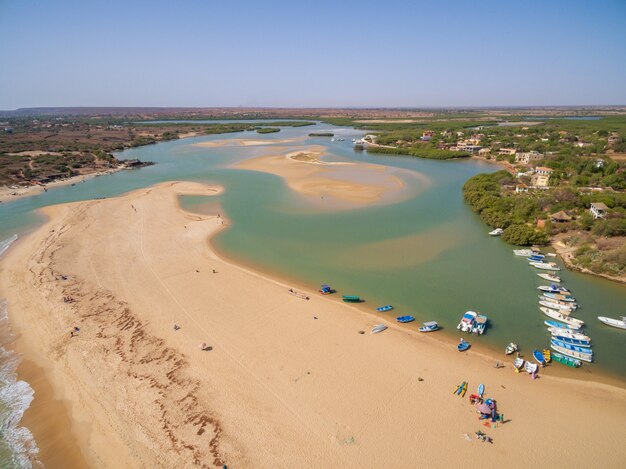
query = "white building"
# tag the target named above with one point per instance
(598, 210)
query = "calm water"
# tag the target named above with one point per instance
(429, 256)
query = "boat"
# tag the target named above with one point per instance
(378, 328)
(523, 252)
(560, 325)
(577, 323)
(429, 326)
(463, 346)
(326, 290)
(351, 299)
(530, 367)
(571, 347)
(559, 331)
(404, 319)
(480, 323)
(550, 277)
(481, 390)
(512, 347)
(572, 354)
(552, 254)
(573, 362)
(545, 266)
(518, 363)
(553, 289)
(563, 308)
(539, 357)
(458, 389)
(467, 321)
(496, 232)
(559, 297)
(382, 309)
(299, 294)
(536, 258)
(464, 390)
(620, 324)
(547, 356)
(572, 341)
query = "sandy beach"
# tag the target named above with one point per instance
(353, 183)
(244, 142)
(284, 382)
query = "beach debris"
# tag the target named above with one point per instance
(314, 317)
(68, 299)
(299, 294)
(176, 327)
(205, 348)
(197, 271)
(74, 331)
(483, 437)
(420, 379)
(498, 365)
(361, 332)
(214, 271)
(467, 436)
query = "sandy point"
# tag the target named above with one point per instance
(244, 142)
(282, 382)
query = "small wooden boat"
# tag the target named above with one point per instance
(326, 290)
(518, 364)
(539, 357)
(572, 341)
(620, 324)
(571, 353)
(378, 328)
(571, 347)
(559, 331)
(576, 323)
(545, 266)
(429, 326)
(405, 319)
(463, 346)
(511, 348)
(382, 309)
(547, 355)
(550, 277)
(530, 367)
(573, 362)
(351, 299)
(560, 325)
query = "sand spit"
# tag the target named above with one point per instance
(287, 382)
(244, 142)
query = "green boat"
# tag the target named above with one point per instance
(574, 363)
(351, 299)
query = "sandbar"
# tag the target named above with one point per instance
(284, 382)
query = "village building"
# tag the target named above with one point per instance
(598, 210)
(540, 180)
(507, 151)
(543, 170)
(466, 146)
(527, 157)
(484, 151)
(560, 217)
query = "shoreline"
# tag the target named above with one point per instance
(297, 410)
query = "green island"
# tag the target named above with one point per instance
(267, 130)
(321, 134)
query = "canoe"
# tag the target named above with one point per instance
(382, 309)
(429, 326)
(571, 347)
(560, 325)
(461, 387)
(539, 357)
(463, 346)
(573, 341)
(559, 331)
(351, 299)
(457, 390)
(378, 328)
(550, 277)
(614, 322)
(464, 390)
(404, 319)
(573, 362)
(547, 356)
(481, 390)
(576, 323)
(572, 354)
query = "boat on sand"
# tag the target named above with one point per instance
(378, 328)
(539, 357)
(530, 368)
(518, 364)
(463, 346)
(511, 348)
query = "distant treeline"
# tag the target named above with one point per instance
(424, 152)
(321, 134)
(267, 130)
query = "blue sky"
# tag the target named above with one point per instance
(282, 54)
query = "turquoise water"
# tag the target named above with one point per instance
(429, 255)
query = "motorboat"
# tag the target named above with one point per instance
(545, 266)
(429, 326)
(577, 323)
(564, 308)
(620, 324)
(586, 357)
(553, 289)
(511, 348)
(496, 232)
(480, 324)
(523, 252)
(378, 328)
(467, 321)
(550, 277)
(558, 331)
(559, 297)
(573, 362)
(560, 325)
(586, 343)
(382, 309)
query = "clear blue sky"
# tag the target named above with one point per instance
(322, 53)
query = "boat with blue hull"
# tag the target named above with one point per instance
(382, 309)
(405, 319)
(573, 348)
(560, 325)
(572, 353)
(573, 341)
(539, 358)
(463, 346)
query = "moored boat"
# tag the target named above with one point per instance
(467, 321)
(326, 290)
(559, 297)
(536, 258)
(620, 324)
(572, 348)
(351, 299)
(560, 325)
(512, 347)
(429, 326)
(480, 323)
(570, 353)
(496, 232)
(530, 368)
(553, 289)
(405, 319)
(550, 277)
(545, 266)
(523, 252)
(547, 356)
(566, 308)
(565, 360)
(382, 309)
(559, 331)
(463, 346)
(561, 317)
(539, 357)
(572, 341)
(378, 328)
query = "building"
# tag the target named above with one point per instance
(543, 171)
(484, 151)
(613, 138)
(598, 210)
(465, 146)
(521, 188)
(560, 217)
(527, 157)
(507, 151)
(540, 180)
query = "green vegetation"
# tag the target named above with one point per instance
(419, 151)
(321, 134)
(267, 130)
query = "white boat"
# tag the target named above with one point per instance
(467, 321)
(518, 363)
(553, 289)
(429, 326)
(560, 297)
(550, 277)
(577, 323)
(564, 308)
(530, 367)
(512, 347)
(559, 331)
(496, 232)
(614, 322)
(378, 328)
(552, 254)
(545, 266)
(523, 252)
(480, 324)
(573, 354)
